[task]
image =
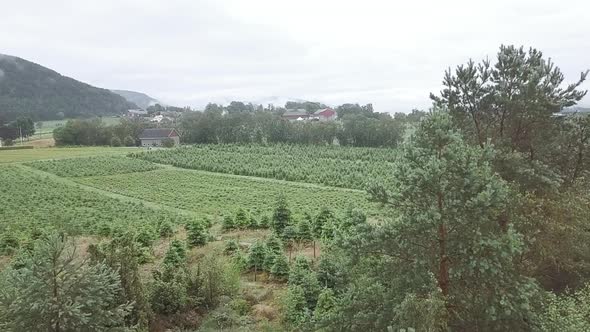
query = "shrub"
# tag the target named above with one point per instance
(168, 142)
(129, 141)
(231, 246)
(115, 141)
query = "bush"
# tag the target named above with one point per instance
(168, 142)
(115, 141)
(165, 229)
(129, 141)
(231, 246)
(8, 142)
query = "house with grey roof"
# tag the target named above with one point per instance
(156, 136)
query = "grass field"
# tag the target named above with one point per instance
(11, 156)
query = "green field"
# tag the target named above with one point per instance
(93, 166)
(220, 194)
(334, 166)
(11, 156)
(34, 203)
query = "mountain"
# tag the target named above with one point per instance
(29, 89)
(140, 99)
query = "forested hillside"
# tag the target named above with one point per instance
(28, 89)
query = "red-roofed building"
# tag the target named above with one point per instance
(326, 114)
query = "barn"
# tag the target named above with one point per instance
(155, 136)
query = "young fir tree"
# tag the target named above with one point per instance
(274, 244)
(197, 234)
(231, 246)
(264, 222)
(280, 269)
(53, 289)
(289, 236)
(253, 223)
(228, 223)
(176, 254)
(449, 203)
(301, 274)
(296, 311)
(241, 219)
(269, 260)
(121, 254)
(256, 257)
(304, 231)
(325, 216)
(325, 306)
(281, 217)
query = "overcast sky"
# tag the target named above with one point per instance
(189, 52)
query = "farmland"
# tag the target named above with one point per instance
(11, 156)
(33, 203)
(219, 194)
(331, 166)
(93, 166)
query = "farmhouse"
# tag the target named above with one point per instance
(155, 136)
(324, 114)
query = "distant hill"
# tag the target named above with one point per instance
(140, 99)
(29, 89)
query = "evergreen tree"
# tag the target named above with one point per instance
(280, 269)
(302, 275)
(281, 217)
(121, 255)
(296, 311)
(269, 260)
(53, 289)
(228, 223)
(253, 223)
(274, 244)
(448, 199)
(197, 234)
(256, 257)
(325, 216)
(241, 220)
(231, 246)
(176, 254)
(304, 231)
(264, 222)
(325, 306)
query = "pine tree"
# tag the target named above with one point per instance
(197, 234)
(281, 217)
(121, 254)
(53, 289)
(448, 198)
